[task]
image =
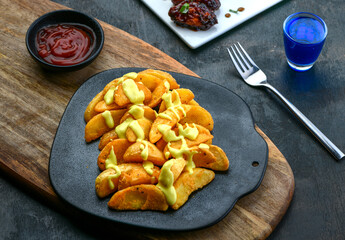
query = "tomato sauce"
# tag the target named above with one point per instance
(64, 44)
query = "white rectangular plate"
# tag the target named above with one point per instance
(195, 39)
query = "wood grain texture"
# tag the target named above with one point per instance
(33, 101)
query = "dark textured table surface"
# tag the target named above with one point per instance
(318, 207)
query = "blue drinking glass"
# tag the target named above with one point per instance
(304, 36)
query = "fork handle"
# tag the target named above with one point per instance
(334, 150)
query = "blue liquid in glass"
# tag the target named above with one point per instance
(303, 39)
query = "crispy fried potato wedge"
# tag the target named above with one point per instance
(164, 75)
(185, 94)
(145, 125)
(188, 183)
(157, 94)
(136, 175)
(122, 100)
(102, 184)
(90, 109)
(161, 144)
(140, 197)
(193, 102)
(222, 161)
(155, 135)
(119, 145)
(177, 167)
(149, 114)
(133, 154)
(102, 106)
(203, 136)
(114, 83)
(199, 115)
(150, 81)
(106, 138)
(97, 126)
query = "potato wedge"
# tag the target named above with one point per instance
(193, 102)
(150, 81)
(102, 106)
(149, 114)
(157, 94)
(97, 126)
(103, 188)
(163, 75)
(161, 144)
(133, 154)
(185, 94)
(203, 136)
(122, 100)
(222, 161)
(145, 125)
(188, 183)
(177, 167)
(120, 146)
(140, 197)
(90, 109)
(155, 135)
(199, 115)
(106, 138)
(136, 175)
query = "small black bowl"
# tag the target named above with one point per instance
(61, 17)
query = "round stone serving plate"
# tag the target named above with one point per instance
(73, 162)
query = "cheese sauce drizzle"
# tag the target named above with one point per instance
(108, 118)
(132, 91)
(111, 162)
(166, 181)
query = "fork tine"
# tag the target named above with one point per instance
(240, 67)
(243, 58)
(235, 62)
(245, 53)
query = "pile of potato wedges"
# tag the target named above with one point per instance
(155, 142)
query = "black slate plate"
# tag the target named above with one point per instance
(73, 163)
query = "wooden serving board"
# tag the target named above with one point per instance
(32, 102)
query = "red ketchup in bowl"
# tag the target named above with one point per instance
(64, 44)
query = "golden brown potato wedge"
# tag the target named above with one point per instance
(140, 197)
(193, 102)
(136, 175)
(203, 136)
(90, 109)
(161, 144)
(157, 94)
(163, 75)
(185, 94)
(119, 145)
(177, 167)
(133, 154)
(145, 125)
(106, 138)
(199, 115)
(155, 134)
(222, 161)
(97, 126)
(150, 81)
(122, 100)
(188, 183)
(149, 114)
(102, 184)
(102, 106)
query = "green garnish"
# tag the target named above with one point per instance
(184, 8)
(233, 11)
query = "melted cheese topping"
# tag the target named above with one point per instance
(132, 91)
(166, 181)
(111, 162)
(108, 118)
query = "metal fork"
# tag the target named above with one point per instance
(255, 77)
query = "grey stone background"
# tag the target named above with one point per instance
(318, 207)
